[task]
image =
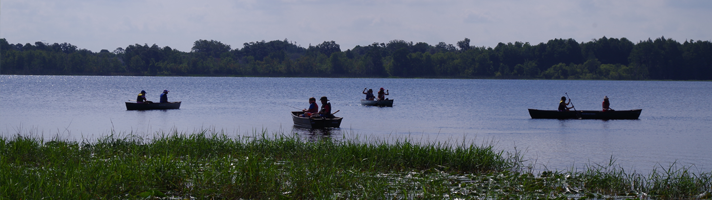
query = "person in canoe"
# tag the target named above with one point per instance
(164, 96)
(142, 97)
(313, 108)
(563, 106)
(382, 95)
(369, 94)
(606, 104)
(325, 107)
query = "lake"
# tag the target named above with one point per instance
(674, 127)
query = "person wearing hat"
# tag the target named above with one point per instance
(164, 96)
(606, 104)
(142, 97)
(382, 95)
(325, 107)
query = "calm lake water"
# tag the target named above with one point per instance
(674, 127)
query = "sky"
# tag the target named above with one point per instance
(110, 24)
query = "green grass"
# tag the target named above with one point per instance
(211, 165)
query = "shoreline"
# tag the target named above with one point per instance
(361, 77)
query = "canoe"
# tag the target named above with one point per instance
(387, 102)
(152, 106)
(315, 122)
(585, 114)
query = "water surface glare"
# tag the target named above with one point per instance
(674, 126)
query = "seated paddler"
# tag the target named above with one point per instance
(606, 104)
(382, 95)
(369, 94)
(142, 97)
(325, 108)
(164, 96)
(563, 106)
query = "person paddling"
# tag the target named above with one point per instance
(382, 95)
(142, 97)
(369, 94)
(606, 104)
(563, 106)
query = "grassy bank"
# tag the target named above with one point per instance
(208, 165)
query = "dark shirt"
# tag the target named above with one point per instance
(369, 96)
(381, 95)
(326, 110)
(562, 106)
(164, 98)
(140, 98)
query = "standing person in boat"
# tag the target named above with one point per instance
(369, 94)
(563, 106)
(325, 107)
(313, 108)
(606, 104)
(382, 95)
(164, 96)
(142, 97)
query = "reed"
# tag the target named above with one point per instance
(211, 165)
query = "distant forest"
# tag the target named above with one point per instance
(604, 58)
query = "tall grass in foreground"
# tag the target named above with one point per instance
(209, 165)
(206, 165)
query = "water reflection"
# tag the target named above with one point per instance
(316, 134)
(605, 125)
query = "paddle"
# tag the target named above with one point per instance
(335, 112)
(572, 104)
(578, 114)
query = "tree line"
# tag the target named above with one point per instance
(604, 58)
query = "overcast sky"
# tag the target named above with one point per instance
(109, 24)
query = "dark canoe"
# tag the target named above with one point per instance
(585, 114)
(387, 102)
(315, 122)
(152, 106)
